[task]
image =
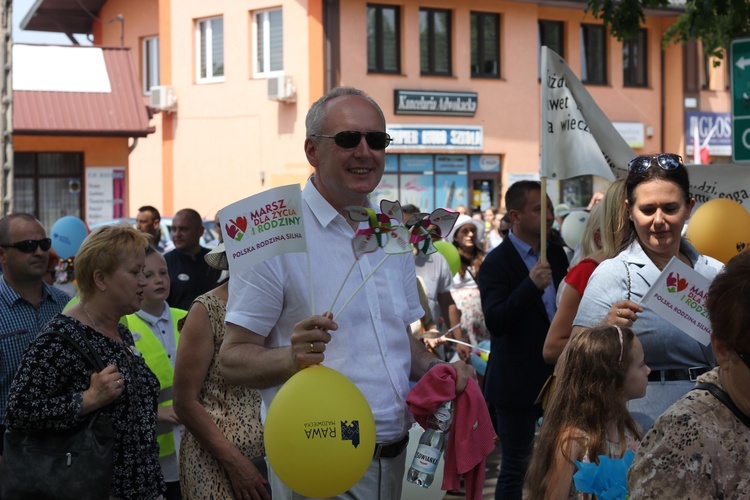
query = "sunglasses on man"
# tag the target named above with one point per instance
(30, 246)
(350, 139)
(666, 161)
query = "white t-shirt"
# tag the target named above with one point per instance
(371, 345)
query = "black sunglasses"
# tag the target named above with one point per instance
(30, 246)
(745, 357)
(666, 161)
(350, 139)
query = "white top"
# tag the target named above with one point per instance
(163, 330)
(436, 273)
(371, 346)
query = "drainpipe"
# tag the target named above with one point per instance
(663, 118)
(133, 146)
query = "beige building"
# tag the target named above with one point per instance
(231, 82)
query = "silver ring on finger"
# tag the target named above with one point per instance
(619, 313)
(312, 347)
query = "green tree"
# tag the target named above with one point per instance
(715, 22)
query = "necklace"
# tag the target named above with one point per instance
(93, 322)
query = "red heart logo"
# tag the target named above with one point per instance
(241, 223)
(682, 284)
(671, 281)
(231, 230)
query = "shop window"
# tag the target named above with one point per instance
(485, 45)
(593, 54)
(47, 185)
(383, 39)
(435, 42)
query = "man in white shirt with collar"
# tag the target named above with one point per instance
(271, 332)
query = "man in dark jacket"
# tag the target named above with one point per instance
(518, 298)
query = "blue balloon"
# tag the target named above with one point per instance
(67, 235)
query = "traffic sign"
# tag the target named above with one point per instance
(740, 51)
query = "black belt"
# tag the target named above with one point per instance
(391, 450)
(691, 374)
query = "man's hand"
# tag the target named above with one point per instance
(464, 371)
(541, 274)
(309, 339)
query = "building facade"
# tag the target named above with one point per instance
(458, 83)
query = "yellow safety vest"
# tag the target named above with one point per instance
(156, 359)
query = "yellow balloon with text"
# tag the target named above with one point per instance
(319, 433)
(720, 228)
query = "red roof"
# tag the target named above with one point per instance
(120, 113)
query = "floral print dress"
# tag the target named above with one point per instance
(47, 393)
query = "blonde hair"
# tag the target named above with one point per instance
(613, 218)
(103, 250)
(588, 239)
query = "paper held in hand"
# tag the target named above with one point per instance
(262, 226)
(679, 295)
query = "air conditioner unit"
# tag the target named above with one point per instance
(163, 98)
(282, 88)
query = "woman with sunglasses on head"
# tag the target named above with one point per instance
(702, 440)
(657, 202)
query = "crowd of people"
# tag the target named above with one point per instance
(193, 358)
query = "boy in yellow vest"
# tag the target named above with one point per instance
(154, 330)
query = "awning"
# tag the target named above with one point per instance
(79, 91)
(63, 16)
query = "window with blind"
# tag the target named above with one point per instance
(593, 54)
(485, 45)
(435, 42)
(48, 185)
(383, 39)
(210, 49)
(150, 58)
(551, 34)
(269, 46)
(634, 67)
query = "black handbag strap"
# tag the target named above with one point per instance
(89, 354)
(722, 396)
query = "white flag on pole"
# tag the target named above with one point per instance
(569, 146)
(263, 226)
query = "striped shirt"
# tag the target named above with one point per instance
(20, 323)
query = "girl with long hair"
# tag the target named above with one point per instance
(587, 415)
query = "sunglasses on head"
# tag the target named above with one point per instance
(745, 357)
(350, 139)
(666, 161)
(30, 246)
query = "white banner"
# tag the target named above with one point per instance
(679, 295)
(565, 147)
(263, 226)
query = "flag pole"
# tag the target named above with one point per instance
(543, 223)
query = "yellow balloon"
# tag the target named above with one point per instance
(720, 228)
(319, 433)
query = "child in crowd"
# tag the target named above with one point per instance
(154, 330)
(587, 415)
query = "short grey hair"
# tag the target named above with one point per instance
(316, 115)
(5, 225)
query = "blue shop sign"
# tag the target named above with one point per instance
(429, 137)
(716, 127)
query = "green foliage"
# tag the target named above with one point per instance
(715, 22)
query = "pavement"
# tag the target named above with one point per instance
(492, 467)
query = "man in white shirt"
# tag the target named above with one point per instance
(271, 331)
